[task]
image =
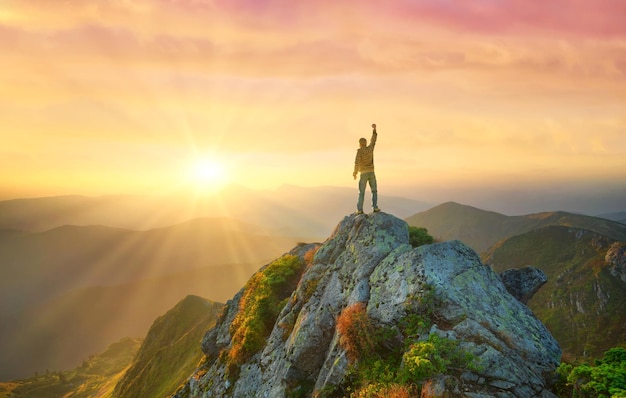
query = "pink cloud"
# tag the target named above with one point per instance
(603, 18)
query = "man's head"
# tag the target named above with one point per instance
(363, 142)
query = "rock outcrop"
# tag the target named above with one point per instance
(616, 258)
(523, 283)
(368, 259)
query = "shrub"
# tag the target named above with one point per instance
(437, 355)
(356, 332)
(309, 256)
(607, 379)
(419, 236)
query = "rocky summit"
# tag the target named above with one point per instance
(368, 261)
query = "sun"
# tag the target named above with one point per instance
(208, 174)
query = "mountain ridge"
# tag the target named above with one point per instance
(288, 209)
(481, 229)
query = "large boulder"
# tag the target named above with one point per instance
(368, 259)
(523, 283)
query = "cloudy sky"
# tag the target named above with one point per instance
(127, 96)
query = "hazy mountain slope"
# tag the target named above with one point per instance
(96, 377)
(582, 303)
(481, 229)
(309, 212)
(619, 216)
(39, 266)
(85, 321)
(171, 351)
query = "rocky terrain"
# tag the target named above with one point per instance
(296, 348)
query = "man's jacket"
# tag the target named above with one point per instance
(364, 161)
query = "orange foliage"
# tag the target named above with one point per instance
(386, 391)
(356, 331)
(309, 255)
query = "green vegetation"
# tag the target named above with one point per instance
(419, 236)
(393, 361)
(96, 377)
(265, 294)
(606, 379)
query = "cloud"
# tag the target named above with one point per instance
(308, 39)
(601, 19)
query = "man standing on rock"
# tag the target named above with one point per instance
(364, 163)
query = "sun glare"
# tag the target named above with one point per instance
(208, 174)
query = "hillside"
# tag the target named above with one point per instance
(482, 229)
(111, 282)
(85, 321)
(39, 266)
(170, 352)
(132, 368)
(583, 302)
(96, 377)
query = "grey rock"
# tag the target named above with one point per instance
(368, 259)
(523, 283)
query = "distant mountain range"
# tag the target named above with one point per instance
(306, 212)
(482, 229)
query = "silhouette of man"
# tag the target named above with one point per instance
(364, 163)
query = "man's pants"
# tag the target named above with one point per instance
(365, 178)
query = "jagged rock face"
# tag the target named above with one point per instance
(616, 257)
(523, 283)
(368, 259)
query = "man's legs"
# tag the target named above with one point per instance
(374, 188)
(362, 183)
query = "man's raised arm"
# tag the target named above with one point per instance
(374, 135)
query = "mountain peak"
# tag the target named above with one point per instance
(437, 295)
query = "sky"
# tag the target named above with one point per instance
(146, 96)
